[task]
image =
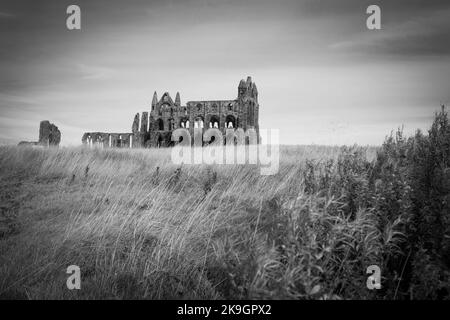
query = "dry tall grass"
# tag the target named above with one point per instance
(141, 227)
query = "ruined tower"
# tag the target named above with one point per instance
(49, 134)
(166, 115)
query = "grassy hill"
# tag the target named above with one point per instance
(141, 227)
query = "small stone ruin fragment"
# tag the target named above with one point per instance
(49, 135)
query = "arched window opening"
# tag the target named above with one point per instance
(160, 124)
(99, 141)
(198, 122)
(214, 122)
(171, 123)
(184, 123)
(251, 114)
(230, 121)
(199, 107)
(159, 142)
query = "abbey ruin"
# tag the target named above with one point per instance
(49, 136)
(154, 128)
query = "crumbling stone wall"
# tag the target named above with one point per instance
(108, 140)
(49, 135)
(166, 115)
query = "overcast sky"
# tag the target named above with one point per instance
(322, 76)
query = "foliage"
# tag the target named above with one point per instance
(139, 227)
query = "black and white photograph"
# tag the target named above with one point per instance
(225, 150)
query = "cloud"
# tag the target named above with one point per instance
(301, 53)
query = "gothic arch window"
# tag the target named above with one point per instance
(159, 143)
(214, 122)
(230, 122)
(160, 124)
(198, 122)
(171, 124)
(230, 107)
(184, 123)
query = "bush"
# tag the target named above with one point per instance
(140, 227)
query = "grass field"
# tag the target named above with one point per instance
(141, 228)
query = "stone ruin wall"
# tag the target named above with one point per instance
(154, 128)
(49, 136)
(108, 140)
